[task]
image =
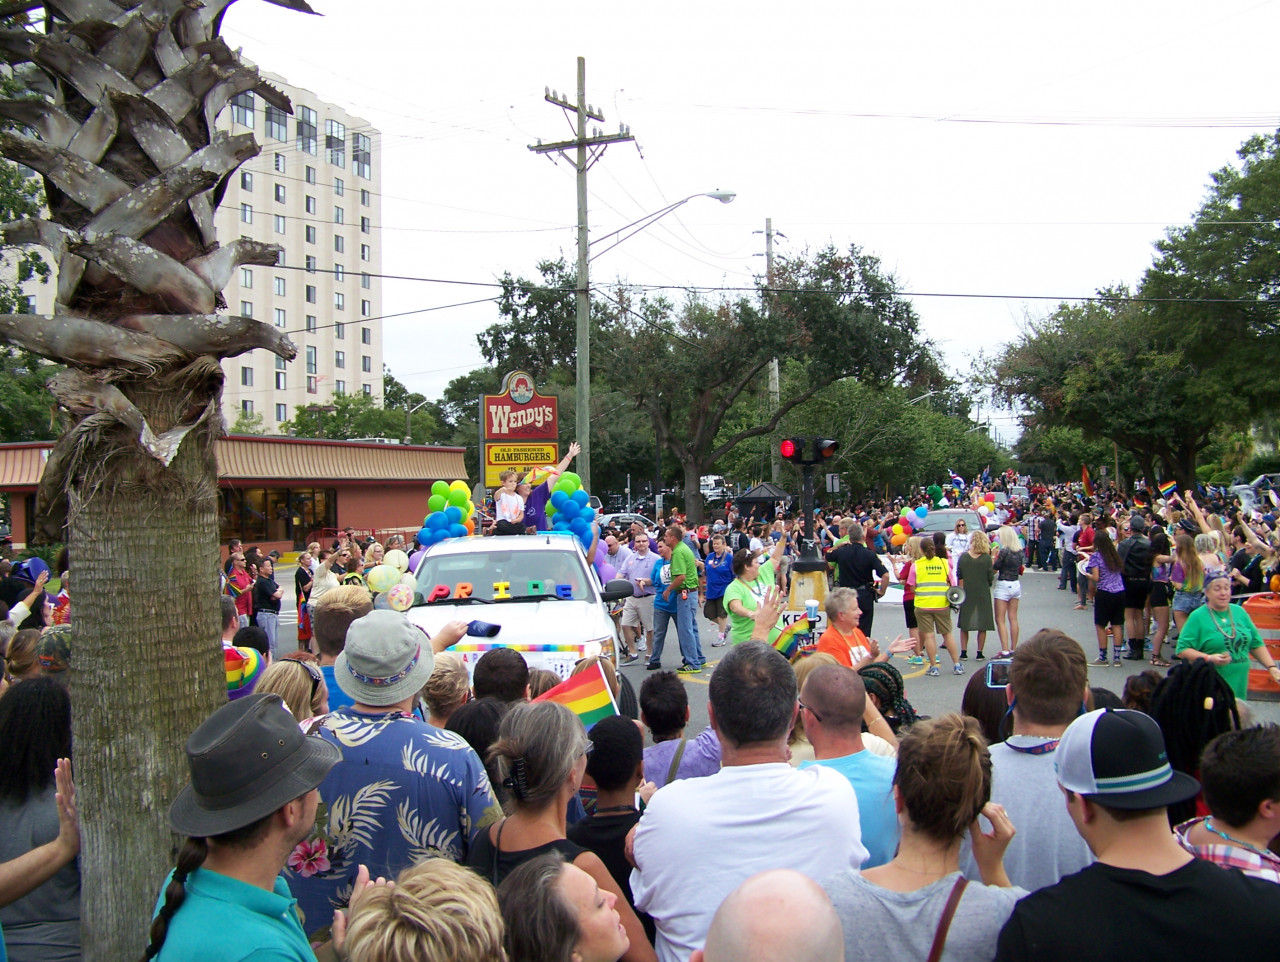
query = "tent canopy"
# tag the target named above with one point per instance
(764, 492)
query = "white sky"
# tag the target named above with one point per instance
(871, 123)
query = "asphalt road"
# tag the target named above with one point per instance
(1042, 606)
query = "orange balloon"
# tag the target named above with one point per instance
(898, 539)
(470, 526)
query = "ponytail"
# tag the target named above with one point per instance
(190, 857)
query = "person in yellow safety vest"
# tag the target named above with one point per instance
(932, 576)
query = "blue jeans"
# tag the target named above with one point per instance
(687, 630)
(269, 622)
(660, 621)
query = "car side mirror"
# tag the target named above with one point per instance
(617, 589)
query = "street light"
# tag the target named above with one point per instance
(408, 428)
(583, 346)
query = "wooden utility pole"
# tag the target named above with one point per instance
(582, 159)
(775, 387)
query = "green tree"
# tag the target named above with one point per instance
(26, 409)
(834, 315)
(247, 422)
(539, 333)
(359, 416)
(120, 125)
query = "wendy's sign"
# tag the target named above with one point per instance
(510, 419)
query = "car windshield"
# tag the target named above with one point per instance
(497, 576)
(940, 521)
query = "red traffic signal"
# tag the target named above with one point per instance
(792, 449)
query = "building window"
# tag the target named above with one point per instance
(246, 278)
(246, 213)
(246, 407)
(277, 124)
(311, 384)
(339, 215)
(279, 282)
(339, 243)
(361, 150)
(311, 234)
(311, 359)
(282, 412)
(366, 252)
(310, 204)
(279, 191)
(366, 335)
(280, 163)
(281, 320)
(246, 180)
(366, 364)
(365, 197)
(339, 330)
(279, 221)
(366, 225)
(339, 359)
(338, 186)
(339, 301)
(246, 377)
(280, 257)
(280, 382)
(242, 109)
(366, 309)
(310, 175)
(311, 323)
(339, 272)
(335, 142)
(339, 387)
(367, 388)
(307, 131)
(311, 264)
(366, 281)
(246, 308)
(311, 294)
(279, 363)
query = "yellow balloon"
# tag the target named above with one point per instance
(460, 486)
(381, 577)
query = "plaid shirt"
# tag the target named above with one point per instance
(1265, 866)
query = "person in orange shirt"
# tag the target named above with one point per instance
(845, 642)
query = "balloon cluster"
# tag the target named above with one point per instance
(452, 515)
(908, 523)
(569, 509)
(988, 506)
(391, 582)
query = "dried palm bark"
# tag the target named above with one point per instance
(122, 132)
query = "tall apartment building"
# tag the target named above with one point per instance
(316, 190)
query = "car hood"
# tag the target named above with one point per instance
(528, 623)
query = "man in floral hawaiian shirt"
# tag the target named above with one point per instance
(403, 791)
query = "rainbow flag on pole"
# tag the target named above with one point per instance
(587, 695)
(1168, 488)
(1088, 483)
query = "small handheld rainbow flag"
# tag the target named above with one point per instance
(1088, 483)
(587, 695)
(1168, 488)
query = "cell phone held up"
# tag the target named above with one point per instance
(998, 672)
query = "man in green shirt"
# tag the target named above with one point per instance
(684, 588)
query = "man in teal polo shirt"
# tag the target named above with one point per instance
(252, 798)
(683, 589)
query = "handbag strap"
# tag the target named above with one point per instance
(675, 761)
(944, 923)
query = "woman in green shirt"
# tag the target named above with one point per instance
(1224, 634)
(745, 592)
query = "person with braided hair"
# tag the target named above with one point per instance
(540, 757)
(251, 799)
(886, 690)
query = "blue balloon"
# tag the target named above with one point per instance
(558, 498)
(579, 527)
(587, 514)
(570, 510)
(424, 536)
(457, 531)
(581, 497)
(921, 511)
(438, 535)
(435, 521)
(454, 514)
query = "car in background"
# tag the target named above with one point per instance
(538, 590)
(623, 520)
(944, 519)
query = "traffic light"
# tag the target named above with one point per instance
(823, 449)
(792, 449)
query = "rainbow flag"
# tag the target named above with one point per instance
(1168, 488)
(587, 695)
(1084, 476)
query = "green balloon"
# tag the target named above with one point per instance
(438, 502)
(572, 480)
(459, 498)
(441, 488)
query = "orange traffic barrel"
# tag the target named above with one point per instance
(1264, 610)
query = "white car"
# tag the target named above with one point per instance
(538, 590)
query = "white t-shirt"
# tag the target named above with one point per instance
(701, 838)
(509, 507)
(957, 544)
